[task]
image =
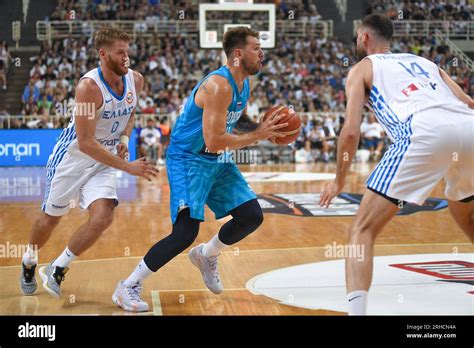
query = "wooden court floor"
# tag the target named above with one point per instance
(177, 289)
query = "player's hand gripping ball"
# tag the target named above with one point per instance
(294, 124)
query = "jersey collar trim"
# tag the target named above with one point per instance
(120, 98)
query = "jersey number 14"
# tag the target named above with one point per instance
(415, 70)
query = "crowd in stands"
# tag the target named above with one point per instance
(293, 74)
(424, 9)
(307, 73)
(156, 10)
(150, 10)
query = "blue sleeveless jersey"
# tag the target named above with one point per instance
(187, 136)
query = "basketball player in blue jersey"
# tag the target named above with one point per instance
(201, 172)
(431, 124)
(82, 168)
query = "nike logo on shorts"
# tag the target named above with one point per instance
(354, 298)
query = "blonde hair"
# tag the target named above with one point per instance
(107, 35)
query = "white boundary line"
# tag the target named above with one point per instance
(156, 302)
(256, 250)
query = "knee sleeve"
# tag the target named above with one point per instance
(185, 231)
(246, 219)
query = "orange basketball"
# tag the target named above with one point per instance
(294, 124)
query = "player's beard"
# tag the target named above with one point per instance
(361, 53)
(251, 69)
(116, 67)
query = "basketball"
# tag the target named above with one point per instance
(294, 124)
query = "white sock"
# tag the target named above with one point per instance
(65, 259)
(213, 247)
(30, 257)
(357, 301)
(138, 275)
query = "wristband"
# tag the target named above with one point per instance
(124, 140)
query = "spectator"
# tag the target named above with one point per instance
(39, 69)
(165, 132)
(317, 137)
(3, 75)
(252, 107)
(30, 93)
(150, 143)
(372, 137)
(65, 65)
(16, 123)
(149, 108)
(143, 102)
(304, 155)
(41, 123)
(5, 56)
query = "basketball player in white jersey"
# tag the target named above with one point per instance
(431, 124)
(82, 168)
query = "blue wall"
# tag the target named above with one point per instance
(32, 147)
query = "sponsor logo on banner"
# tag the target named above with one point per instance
(32, 147)
(345, 204)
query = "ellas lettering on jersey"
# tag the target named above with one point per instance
(117, 113)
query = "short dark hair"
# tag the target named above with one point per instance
(380, 23)
(236, 38)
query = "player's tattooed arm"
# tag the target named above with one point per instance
(215, 101)
(456, 89)
(245, 124)
(203, 86)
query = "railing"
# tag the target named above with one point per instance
(410, 28)
(6, 121)
(342, 8)
(455, 49)
(48, 30)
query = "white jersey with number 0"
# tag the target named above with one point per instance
(75, 177)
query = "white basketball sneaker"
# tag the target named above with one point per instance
(128, 297)
(208, 268)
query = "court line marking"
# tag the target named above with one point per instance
(198, 290)
(254, 250)
(156, 302)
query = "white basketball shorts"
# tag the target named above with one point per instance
(77, 179)
(436, 144)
